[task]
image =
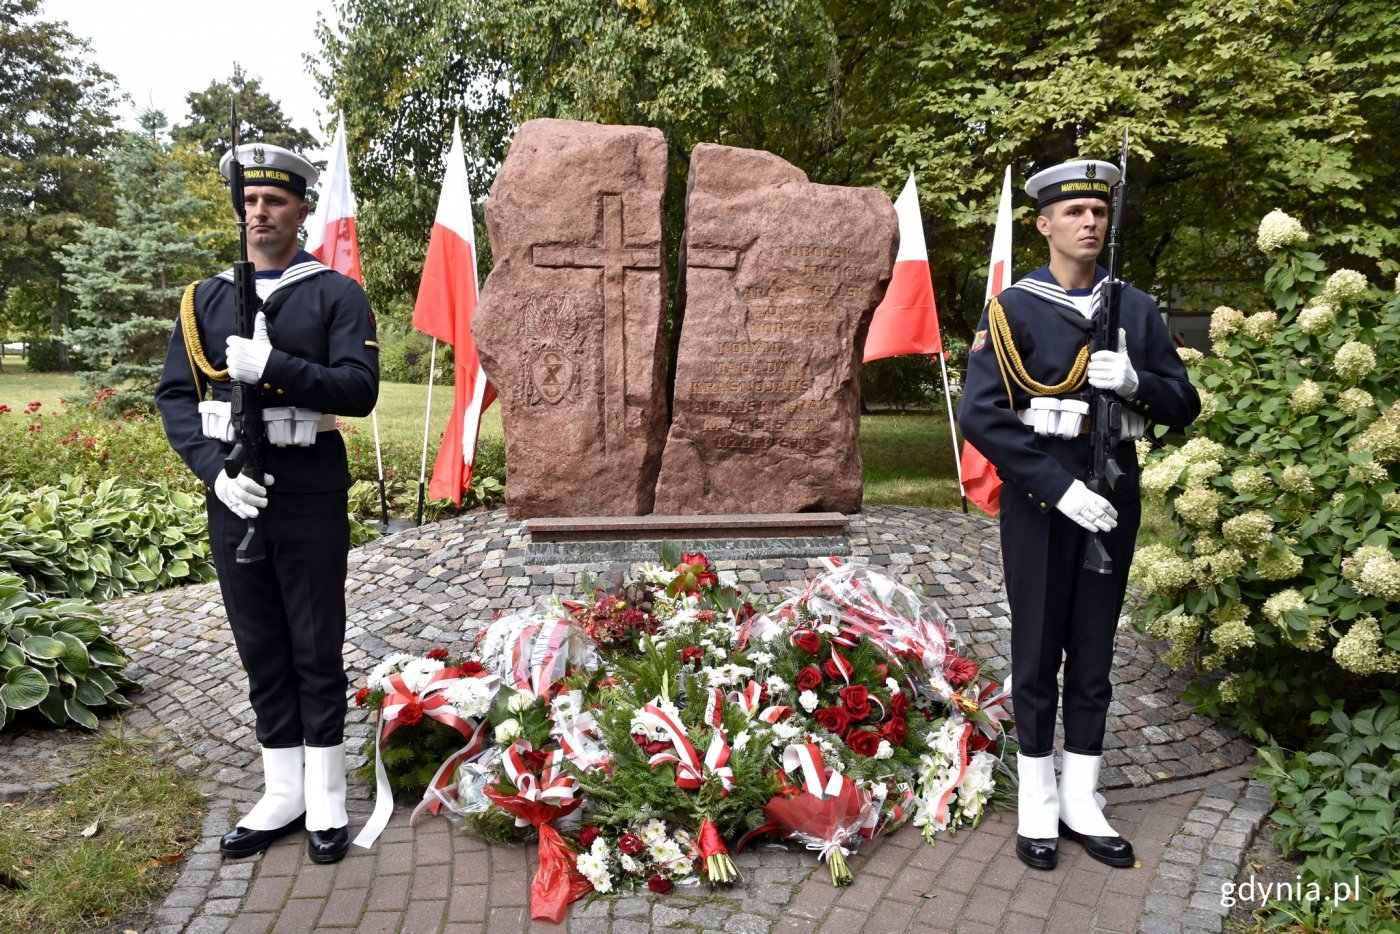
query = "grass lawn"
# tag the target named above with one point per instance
(908, 457)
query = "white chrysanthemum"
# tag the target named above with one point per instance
(1317, 318)
(1160, 570)
(392, 665)
(1283, 602)
(1189, 355)
(1250, 481)
(1198, 507)
(1296, 479)
(1277, 564)
(629, 864)
(1250, 531)
(595, 870)
(1217, 568)
(808, 700)
(652, 832)
(1354, 360)
(1344, 285)
(1225, 321)
(1277, 230)
(1362, 649)
(775, 684)
(1354, 401)
(470, 697)
(727, 675)
(1259, 327)
(1306, 397)
(885, 751)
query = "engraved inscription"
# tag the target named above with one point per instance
(553, 346)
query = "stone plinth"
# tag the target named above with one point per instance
(570, 327)
(779, 280)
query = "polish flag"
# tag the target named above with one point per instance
(980, 482)
(906, 321)
(447, 297)
(330, 231)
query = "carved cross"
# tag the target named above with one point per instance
(610, 253)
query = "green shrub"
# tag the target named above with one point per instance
(100, 541)
(43, 356)
(1283, 571)
(405, 354)
(1336, 806)
(401, 467)
(54, 657)
(912, 381)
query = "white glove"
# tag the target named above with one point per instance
(1087, 508)
(247, 357)
(1113, 370)
(243, 496)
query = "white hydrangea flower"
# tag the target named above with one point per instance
(1189, 355)
(1259, 327)
(1217, 567)
(1250, 480)
(1198, 507)
(1224, 321)
(1296, 479)
(1160, 570)
(1344, 285)
(1353, 360)
(1380, 577)
(1306, 397)
(1362, 649)
(1250, 531)
(1210, 404)
(1283, 602)
(1317, 318)
(1354, 401)
(1277, 230)
(1200, 449)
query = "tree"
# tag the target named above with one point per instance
(260, 118)
(128, 278)
(55, 118)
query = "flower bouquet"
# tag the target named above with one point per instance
(825, 812)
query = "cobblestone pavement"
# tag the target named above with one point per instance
(1174, 780)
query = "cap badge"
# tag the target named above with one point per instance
(1089, 170)
(258, 155)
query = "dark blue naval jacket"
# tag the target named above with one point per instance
(325, 357)
(1048, 331)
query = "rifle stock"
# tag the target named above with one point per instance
(246, 458)
(1105, 408)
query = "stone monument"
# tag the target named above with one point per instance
(779, 279)
(571, 323)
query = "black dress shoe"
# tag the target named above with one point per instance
(1111, 851)
(240, 841)
(327, 846)
(1037, 853)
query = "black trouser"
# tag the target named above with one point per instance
(1059, 610)
(287, 613)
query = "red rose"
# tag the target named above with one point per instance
(789, 791)
(410, 713)
(899, 704)
(586, 835)
(652, 747)
(837, 668)
(535, 759)
(979, 741)
(960, 670)
(472, 669)
(438, 654)
(660, 885)
(360, 696)
(696, 558)
(807, 641)
(692, 653)
(809, 679)
(856, 700)
(631, 844)
(863, 742)
(894, 730)
(834, 719)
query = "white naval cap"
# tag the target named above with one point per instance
(264, 164)
(1082, 178)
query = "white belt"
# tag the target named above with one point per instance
(287, 426)
(1068, 418)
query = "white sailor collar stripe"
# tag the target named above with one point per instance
(1052, 292)
(297, 272)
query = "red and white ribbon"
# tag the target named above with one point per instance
(540, 656)
(806, 759)
(748, 701)
(690, 770)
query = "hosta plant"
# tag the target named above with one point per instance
(56, 658)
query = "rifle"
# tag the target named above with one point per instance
(246, 458)
(1105, 408)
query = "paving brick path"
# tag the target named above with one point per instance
(1174, 780)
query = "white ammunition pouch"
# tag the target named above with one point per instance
(1069, 418)
(286, 426)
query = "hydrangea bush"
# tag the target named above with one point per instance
(1282, 586)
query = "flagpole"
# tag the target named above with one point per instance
(427, 422)
(952, 427)
(379, 460)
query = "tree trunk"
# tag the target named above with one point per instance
(58, 324)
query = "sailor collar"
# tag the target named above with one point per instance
(1043, 285)
(303, 267)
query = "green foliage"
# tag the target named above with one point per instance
(411, 757)
(55, 657)
(402, 459)
(47, 355)
(405, 354)
(103, 540)
(260, 118)
(94, 849)
(1285, 501)
(127, 279)
(1336, 807)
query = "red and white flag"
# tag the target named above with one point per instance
(907, 319)
(980, 481)
(446, 302)
(330, 231)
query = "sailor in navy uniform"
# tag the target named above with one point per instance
(1025, 408)
(313, 357)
